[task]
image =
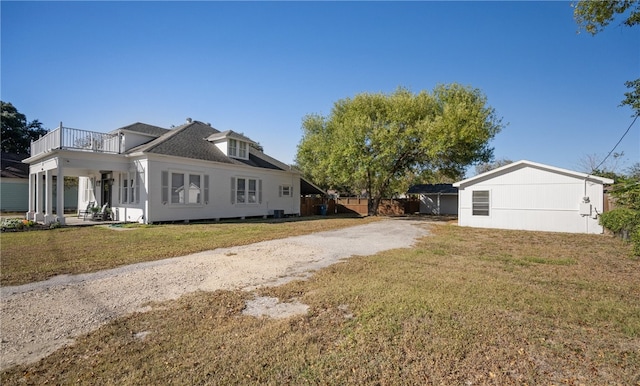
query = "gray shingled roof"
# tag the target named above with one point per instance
(229, 134)
(13, 167)
(190, 141)
(143, 128)
(258, 162)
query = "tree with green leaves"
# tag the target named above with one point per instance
(17, 132)
(594, 16)
(374, 141)
(488, 166)
(624, 219)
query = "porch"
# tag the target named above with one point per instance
(72, 220)
(67, 152)
(76, 139)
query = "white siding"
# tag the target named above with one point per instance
(131, 140)
(533, 199)
(135, 211)
(223, 146)
(219, 205)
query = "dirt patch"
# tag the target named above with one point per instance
(39, 318)
(273, 308)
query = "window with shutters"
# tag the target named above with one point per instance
(246, 190)
(184, 188)
(286, 191)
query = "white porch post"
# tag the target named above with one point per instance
(60, 194)
(48, 196)
(30, 215)
(39, 215)
(60, 136)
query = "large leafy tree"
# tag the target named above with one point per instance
(594, 16)
(488, 166)
(374, 142)
(17, 133)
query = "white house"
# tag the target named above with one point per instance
(149, 174)
(532, 196)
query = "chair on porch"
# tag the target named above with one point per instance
(101, 215)
(86, 211)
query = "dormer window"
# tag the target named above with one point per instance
(237, 148)
(232, 144)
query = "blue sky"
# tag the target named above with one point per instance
(260, 67)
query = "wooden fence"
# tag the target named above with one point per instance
(310, 206)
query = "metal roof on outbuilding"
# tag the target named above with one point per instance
(433, 189)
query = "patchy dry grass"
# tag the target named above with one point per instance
(465, 306)
(39, 255)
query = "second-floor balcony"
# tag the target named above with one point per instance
(76, 139)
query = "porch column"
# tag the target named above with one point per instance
(39, 216)
(31, 208)
(60, 194)
(48, 196)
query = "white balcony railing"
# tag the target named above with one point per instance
(75, 139)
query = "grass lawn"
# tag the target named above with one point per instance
(464, 306)
(38, 255)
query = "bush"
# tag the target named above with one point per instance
(625, 223)
(622, 220)
(635, 239)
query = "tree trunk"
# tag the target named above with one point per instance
(373, 205)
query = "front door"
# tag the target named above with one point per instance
(107, 183)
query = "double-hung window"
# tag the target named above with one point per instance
(286, 191)
(129, 188)
(242, 149)
(246, 190)
(480, 203)
(233, 148)
(88, 191)
(238, 149)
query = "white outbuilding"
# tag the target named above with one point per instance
(532, 196)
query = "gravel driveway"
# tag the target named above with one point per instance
(39, 318)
